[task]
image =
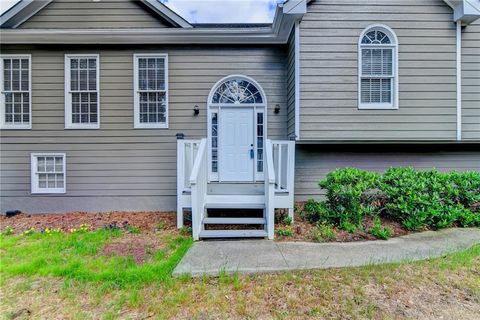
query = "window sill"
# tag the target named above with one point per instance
(377, 106)
(47, 192)
(150, 126)
(82, 127)
(16, 127)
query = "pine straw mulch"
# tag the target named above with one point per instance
(147, 222)
(304, 231)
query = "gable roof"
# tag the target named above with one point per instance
(25, 9)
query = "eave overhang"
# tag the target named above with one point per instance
(285, 17)
(465, 11)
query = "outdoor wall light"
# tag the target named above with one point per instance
(196, 110)
(277, 109)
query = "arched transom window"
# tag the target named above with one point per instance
(378, 79)
(237, 91)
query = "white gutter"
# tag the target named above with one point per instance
(297, 80)
(459, 79)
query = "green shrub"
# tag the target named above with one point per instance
(378, 231)
(349, 193)
(288, 220)
(323, 232)
(417, 199)
(430, 199)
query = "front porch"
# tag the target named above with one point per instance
(251, 205)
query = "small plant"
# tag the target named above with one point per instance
(161, 226)
(378, 231)
(7, 231)
(285, 232)
(186, 231)
(112, 227)
(50, 232)
(81, 229)
(348, 226)
(323, 232)
(130, 228)
(288, 220)
(29, 232)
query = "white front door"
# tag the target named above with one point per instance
(236, 144)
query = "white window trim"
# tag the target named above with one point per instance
(34, 177)
(393, 37)
(136, 97)
(9, 126)
(68, 96)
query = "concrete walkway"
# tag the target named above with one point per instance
(247, 256)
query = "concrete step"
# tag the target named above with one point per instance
(234, 221)
(233, 234)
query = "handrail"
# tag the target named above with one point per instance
(270, 172)
(198, 162)
(198, 182)
(269, 189)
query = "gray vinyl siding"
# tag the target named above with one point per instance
(81, 14)
(291, 84)
(314, 162)
(329, 34)
(137, 166)
(471, 82)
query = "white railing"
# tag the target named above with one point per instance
(186, 154)
(284, 165)
(283, 173)
(269, 189)
(198, 185)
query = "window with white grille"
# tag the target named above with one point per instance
(15, 98)
(378, 83)
(151, 91)
(48, 172)
(82, 93)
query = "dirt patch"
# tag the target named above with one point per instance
(148, 222)
(141, 247)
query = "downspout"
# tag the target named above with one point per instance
(297, 80)
(459, 79)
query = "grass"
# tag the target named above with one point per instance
(66, 276)
(77, 256)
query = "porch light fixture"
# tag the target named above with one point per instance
(196, 110)
(277, 109)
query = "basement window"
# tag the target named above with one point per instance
(48, 172)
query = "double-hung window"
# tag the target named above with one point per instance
(16, 92)
(48, 172)
(150, 90)
(378, 76)
(82, 91)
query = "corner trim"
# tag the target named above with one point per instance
(459, 79)
(297, 80)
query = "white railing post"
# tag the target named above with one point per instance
(291, 177)
(180, 180)
(198, 184)
(269, 190)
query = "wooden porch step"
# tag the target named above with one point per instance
(234, 221)
(233, 234)
(235, 202)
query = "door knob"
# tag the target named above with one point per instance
(252, 155)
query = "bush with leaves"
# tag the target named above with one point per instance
(349, 193)
(429, 199)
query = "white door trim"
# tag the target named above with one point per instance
(217, 108)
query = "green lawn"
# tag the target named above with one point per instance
(68, 276)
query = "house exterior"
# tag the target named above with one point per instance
(124, 105)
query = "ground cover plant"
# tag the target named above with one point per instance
(359, 201)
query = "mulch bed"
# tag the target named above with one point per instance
(148, 222)
(303, 231)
